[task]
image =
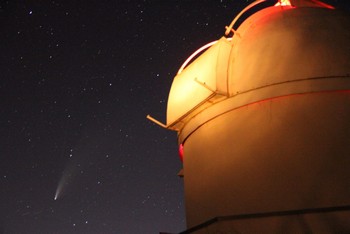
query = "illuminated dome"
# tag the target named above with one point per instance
(273, 47)
(263, 119)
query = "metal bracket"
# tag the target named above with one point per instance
(157, 122)
(207, 87)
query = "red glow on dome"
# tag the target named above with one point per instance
(283, 3)
(181, 152)
(303, 3)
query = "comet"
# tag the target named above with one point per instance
(65, 181)
(58, 190)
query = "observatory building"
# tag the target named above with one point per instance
(263, 120)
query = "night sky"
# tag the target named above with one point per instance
(77, 81)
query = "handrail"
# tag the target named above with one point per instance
(229, 28)
(194, 54)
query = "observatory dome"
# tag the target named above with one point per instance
(278, 51)
(263, 118)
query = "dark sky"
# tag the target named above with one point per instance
(77, 80)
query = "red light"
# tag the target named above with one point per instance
(181, 152)
(283, 3)
(312, 3)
